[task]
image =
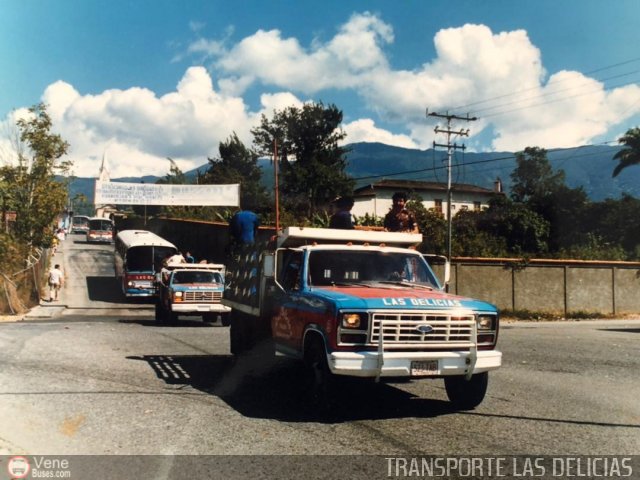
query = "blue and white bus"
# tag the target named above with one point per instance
(138, 258)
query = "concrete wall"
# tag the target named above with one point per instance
(552, 286)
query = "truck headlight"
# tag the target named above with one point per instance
(353, 320)
(486, 322)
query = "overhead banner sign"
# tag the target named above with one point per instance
(117, 193)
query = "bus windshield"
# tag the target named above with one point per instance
(102, 224)
(79, 220)
(146, 258)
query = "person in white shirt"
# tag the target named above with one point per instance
(177, 258)
(56, 280)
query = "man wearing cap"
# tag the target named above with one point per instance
(342, 217)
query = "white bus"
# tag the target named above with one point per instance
(100, 230)
(79, 224)
(138, 258)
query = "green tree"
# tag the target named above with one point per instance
(433, 227)
(238, 164)
(566, 211)
(175, 175)
(631, 154)
(469, 240)
(312, 163)
(542, 190)
(614, 222)
(37, 196)
(534, 178)
(522, 230)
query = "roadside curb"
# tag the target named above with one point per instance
(44, 311)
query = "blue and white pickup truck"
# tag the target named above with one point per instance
(191, 290)
(358, 303)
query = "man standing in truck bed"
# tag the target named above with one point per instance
(243, 227)
(399, 219)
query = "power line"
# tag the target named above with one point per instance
(549, 102)
(554, 93)
(551, 83)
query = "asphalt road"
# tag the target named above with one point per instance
(102, 378)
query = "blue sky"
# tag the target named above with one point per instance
(139, 81)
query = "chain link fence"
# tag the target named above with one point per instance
(21, 290)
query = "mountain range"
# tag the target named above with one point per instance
(589, 167)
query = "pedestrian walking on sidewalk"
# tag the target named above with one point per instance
(56, 280)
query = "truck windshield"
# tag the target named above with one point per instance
(330, 267)
(197, 277)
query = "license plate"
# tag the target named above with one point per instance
(423, 368)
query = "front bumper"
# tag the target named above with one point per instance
(140, 292)
(199, 308)
(398, 364)
(100, 239)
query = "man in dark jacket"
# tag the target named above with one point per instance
(342, 218)
(399, 219)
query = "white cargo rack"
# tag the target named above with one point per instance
(296, 236)
(195, 266)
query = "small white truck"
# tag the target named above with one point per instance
(191, 290)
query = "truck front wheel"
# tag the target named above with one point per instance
(159, 313)
(320, 380)
(466, 394)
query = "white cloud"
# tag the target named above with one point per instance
(364, 130)
(141, 128)
(278, 101)
(497, 76)
(282, 62)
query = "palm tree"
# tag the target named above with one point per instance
(630, 155)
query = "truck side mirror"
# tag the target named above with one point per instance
(446, 264)
(447, 272)
(268, 266)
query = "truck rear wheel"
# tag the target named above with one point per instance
(466, 394)
(237, 335)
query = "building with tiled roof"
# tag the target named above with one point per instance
(375, 198)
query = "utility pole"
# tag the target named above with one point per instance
(450, 148)
(276, 184)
